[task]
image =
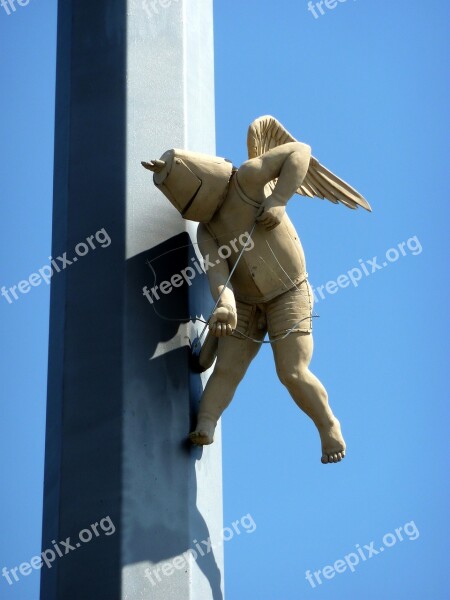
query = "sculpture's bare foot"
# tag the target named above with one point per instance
(333, 444)
(200, 438)
(203, 434)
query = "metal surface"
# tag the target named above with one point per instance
(131, 83)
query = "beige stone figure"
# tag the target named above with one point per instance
(264, 287)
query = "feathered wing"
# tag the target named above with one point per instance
(266, 133)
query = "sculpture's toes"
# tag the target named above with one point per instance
(200, 438)
(332, 457)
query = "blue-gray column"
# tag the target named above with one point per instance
(133, 79)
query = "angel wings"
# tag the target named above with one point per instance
(266, 133)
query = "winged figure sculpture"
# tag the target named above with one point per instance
(256, 266)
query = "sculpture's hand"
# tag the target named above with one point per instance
(223, 321)
(273, 213)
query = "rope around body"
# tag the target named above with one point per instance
(237, 334)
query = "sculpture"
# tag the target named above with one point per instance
(265, 289)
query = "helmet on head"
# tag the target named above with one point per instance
(196, 184)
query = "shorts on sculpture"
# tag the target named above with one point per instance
(263, 290)
(287, 313)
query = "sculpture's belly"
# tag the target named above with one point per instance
(273, 264)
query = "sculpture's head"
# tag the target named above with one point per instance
(196, 184)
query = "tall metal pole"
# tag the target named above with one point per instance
(133, 79)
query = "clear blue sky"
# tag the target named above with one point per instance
(366, 85)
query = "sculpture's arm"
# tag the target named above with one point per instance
(224, 319)
(289, 163)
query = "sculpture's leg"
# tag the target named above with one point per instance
(233, 359)
(292, 358)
